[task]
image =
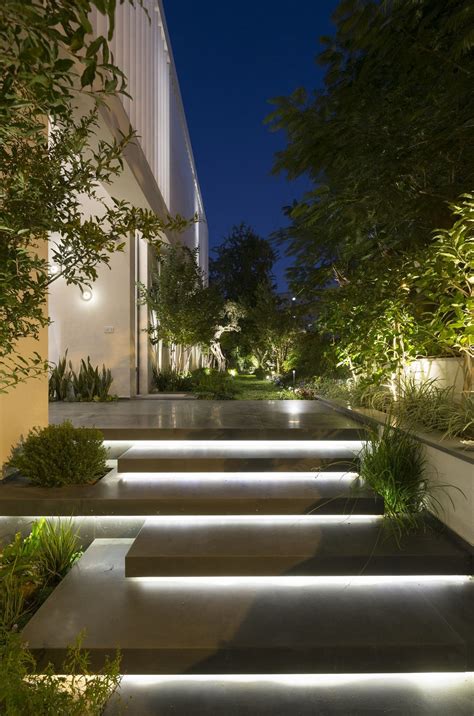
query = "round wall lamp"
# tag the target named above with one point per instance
(86, 294)
(53, 269)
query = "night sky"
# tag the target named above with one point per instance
(232, 57)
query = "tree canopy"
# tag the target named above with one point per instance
(243, 262)
(387, 141)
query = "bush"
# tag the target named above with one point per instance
(171, 382)
(61, 455)
(212, 385)
(25, 691)
(30, 567)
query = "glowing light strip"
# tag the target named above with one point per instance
(431, 680)
(241, 445)
(304, 581)
(210, 520)
(189, 520)
(244, 476)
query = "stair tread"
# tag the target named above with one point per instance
(286, 545)
(163, 493)
(226, 626)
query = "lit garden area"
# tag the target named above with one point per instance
(236, 446)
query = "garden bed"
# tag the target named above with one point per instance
(449, 462)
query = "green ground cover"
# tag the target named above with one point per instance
(250, 387)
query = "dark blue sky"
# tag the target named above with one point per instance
(232, 57)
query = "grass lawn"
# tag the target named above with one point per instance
(252, 388)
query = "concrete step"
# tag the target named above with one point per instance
(253, 626)
(133, 434)
(448, 694)
(240, 456)
(291, 545)
(148, 494)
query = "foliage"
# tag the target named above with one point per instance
(31, 566)
(61, 455)
(51, 65)
(88, 384)
(243, 262)
(183, 310)
(387, 144)
(171, 382)
(25, 690)
(417, 405)
(393, 465)
(214, 385)
(60, 380)
(272, 329)
(387, 141)
(444, 276)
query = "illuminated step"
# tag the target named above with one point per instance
(153, 493)
(255, 625)
(291, 545)
(239, 456)
(132, 434)
(432, 694)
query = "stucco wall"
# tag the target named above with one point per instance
(26, 405)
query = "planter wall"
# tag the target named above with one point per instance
(448, 372)
(448, 469)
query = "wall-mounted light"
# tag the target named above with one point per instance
(86, 294)
(54, 269)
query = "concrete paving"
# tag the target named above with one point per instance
(227, 626)
(294, 695)
(199, 414)
(306, 545)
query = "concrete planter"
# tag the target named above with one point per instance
(447, 372)
(448, 463)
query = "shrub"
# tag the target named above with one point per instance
(393, 465)
(24, 690)
(61, 455)
(169, 381)
(214, 386)
(30, 567)
(88, 384)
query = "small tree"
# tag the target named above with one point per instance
(183, 310)
(273, 328)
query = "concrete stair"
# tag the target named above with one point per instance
(254, 565)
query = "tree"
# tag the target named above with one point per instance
(228, 322)
(387, 141)
(49, 156)
(388, 146)
(273, 328)
(183, 310)
(243, 262)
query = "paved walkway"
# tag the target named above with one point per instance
(207, 414)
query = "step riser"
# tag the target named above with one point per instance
(330, 659)
(232, 465)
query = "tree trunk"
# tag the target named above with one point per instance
(468, 371)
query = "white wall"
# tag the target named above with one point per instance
(448, 372)
(159, 174)
(101, 328)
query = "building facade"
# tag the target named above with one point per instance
(159, 174)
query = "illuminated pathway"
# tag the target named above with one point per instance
(251, 573)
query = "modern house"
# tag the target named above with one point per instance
(160, 174)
